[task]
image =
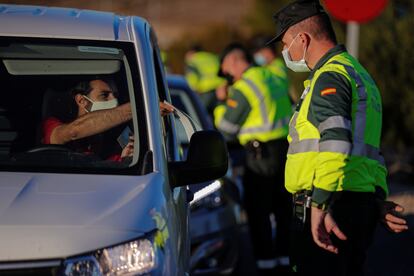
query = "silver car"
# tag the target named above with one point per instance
(70, 212)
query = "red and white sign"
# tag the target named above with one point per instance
(360, 11)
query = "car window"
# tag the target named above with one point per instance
(182, 101)
(188, 121)
(185, 128)
(40, 84)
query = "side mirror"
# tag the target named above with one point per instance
(207, 160)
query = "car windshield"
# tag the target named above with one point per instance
(48, 85)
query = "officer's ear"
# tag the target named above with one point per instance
(305, 38)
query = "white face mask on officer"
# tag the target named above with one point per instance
(295, 66)
(101, 105)
(259, 59)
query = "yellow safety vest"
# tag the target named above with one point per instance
(202, 70)
(337, 165)
(270, 106)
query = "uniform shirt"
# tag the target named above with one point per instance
(237, 110)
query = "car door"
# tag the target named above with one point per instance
(180, 200)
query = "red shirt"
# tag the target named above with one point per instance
(51, 123)
(48, 126)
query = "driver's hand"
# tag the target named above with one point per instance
(166, 108)
(128, 150)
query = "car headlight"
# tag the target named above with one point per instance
(211, 196)
(132, 258)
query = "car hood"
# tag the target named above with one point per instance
(46, 216)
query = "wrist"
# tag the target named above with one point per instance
(321, 198)
(321, 206)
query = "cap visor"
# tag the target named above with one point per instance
(273, 40)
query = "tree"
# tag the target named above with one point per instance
(386, 50)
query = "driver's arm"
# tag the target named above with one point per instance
(90, 124)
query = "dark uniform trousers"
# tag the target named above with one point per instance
(356, 214)
(265, 194)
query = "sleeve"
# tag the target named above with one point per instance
(48, 126)
(115, 158)
(230, 116)
(330, 112)
(381, 188)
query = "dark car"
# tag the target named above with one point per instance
(217, 224)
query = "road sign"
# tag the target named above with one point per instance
(360, 11)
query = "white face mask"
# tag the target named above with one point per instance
(295, 66)
(102, 105)
(260, 59)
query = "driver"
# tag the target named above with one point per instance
(97, 111)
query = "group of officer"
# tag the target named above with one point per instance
(320, 159)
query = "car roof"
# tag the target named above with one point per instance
(53, 22)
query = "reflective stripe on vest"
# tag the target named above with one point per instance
(357, 148)
(360, 117)
(267, 126)
(339, 146)
(335, 122)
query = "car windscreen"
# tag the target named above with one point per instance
(62, 103)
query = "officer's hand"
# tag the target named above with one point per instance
(221, 92)
(390, 214)
(322, 226)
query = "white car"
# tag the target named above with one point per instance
(65, 212)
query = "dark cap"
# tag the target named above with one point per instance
(230, 48)
(294, 13)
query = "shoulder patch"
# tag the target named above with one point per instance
(232, 103)
(328, 91)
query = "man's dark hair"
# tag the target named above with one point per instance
(236, 46)
(232, 47)
(319, 26)
(82, 87)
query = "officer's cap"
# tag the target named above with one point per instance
(294, 13)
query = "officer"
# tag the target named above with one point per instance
(334, 168)
(201, 74)
(257, 112)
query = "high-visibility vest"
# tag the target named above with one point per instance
(278, 68)
(201, 72)
(337, 165)
(270, 106)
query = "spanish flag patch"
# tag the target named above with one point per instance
(328, 91)
(232, 103)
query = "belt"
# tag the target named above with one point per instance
(301, 202)
(303, 197)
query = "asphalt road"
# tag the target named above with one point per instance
(393, 254)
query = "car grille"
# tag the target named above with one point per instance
(44, 268)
